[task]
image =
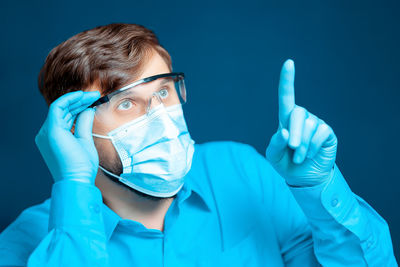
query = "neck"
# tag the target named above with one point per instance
(130, 205)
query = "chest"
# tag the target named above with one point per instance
(201, 241)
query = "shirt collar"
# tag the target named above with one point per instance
(192, 187)
(191, 192)
(110, 219)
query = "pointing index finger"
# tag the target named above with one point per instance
(286, 92)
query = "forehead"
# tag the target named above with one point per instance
(154, 65)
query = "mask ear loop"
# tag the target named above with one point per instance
(101, 136)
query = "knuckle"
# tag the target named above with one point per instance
(313, 117)
(300, 109)
(285, 86)
(325, 127)
(321, 126)
(303, 146)
(310, 122)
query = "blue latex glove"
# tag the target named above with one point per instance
(67, 155)
(303, 150)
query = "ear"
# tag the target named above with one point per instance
(73, 128)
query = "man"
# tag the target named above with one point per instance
(132, 189)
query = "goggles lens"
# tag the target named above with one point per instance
(125, 105)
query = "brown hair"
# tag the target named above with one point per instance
(109, 55)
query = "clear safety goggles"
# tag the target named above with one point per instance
(138, 98)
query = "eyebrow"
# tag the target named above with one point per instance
(128, 91)
(166, 80)
(123, 93)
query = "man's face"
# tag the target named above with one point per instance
(108, 156)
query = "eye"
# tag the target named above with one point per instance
(125, 105)
(163, 93)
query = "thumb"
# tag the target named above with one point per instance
(84, 124)
(277, 145)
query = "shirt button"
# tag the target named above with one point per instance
(334, 202)
(95, 208)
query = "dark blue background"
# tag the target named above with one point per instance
(347, 73)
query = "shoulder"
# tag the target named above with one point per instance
(235, 166)
(23, 235)
(227, 153)
(224, 146)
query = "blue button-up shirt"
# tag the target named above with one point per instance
(233, 210)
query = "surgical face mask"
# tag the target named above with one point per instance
(156, 151)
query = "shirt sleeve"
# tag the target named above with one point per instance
(324, 225)
(76, 234)
(346, 230)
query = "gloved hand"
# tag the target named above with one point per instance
(303, 150)
(70, 156)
